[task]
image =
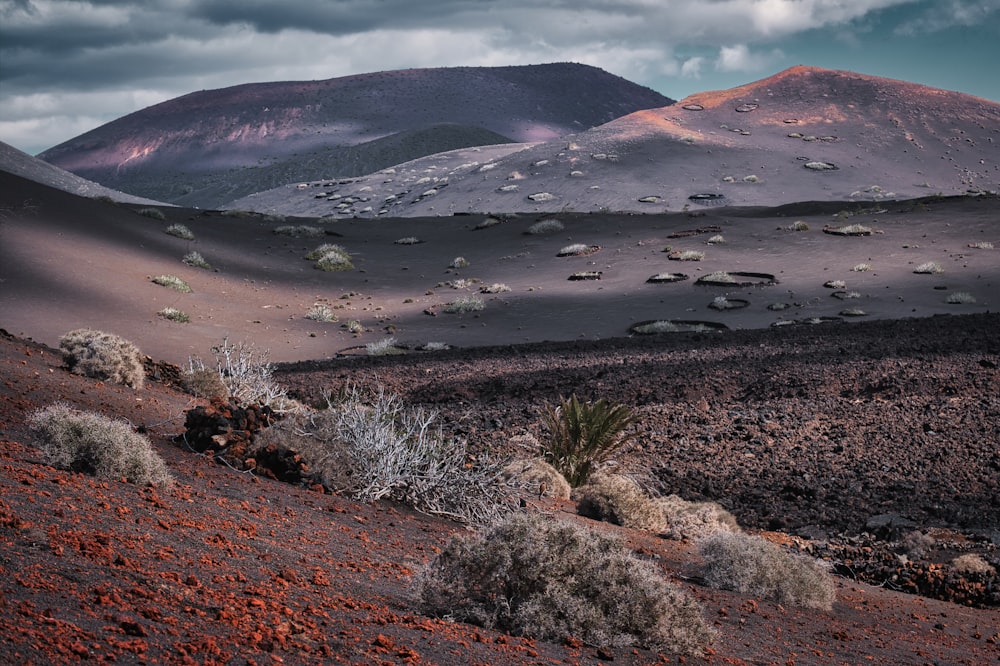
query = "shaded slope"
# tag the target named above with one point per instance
(172, 149)
(804, 134)
(24, 165)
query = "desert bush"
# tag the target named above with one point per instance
(104, 356)
(246, 372)
(929, 268)
(326, 248)
(971, 563)
(298, 230)
(758, 568)
(180, 231)
(583, 435)
(688, 255)
(465, 304)
(354, 326)
(574, 250)
(487, 223)
(334, 261)
(95, 444)
(716, 240)
(409, 240)
(861, 268)
(659, 326)
(204, 383)
(751, 179)
(383, 347)
(981, 245)
(372, 446)
(321, 312)
(435, 346)
(173, 314)
(835, 284)
(152, 213)
(718, 276)
(694, 520)
(552, 580)
(459, 262)
(618, 499)
(547, 226)
(798, 225)
(196, 260)
(538, 476)
(960, 298)
(173, 282)
(495, 288)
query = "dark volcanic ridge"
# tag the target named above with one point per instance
(246, 136)
(805, 134)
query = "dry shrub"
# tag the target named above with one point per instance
(618, 499)
(103, 356)
(538, 476)
(553, 580)
(694, 520)
(204, 383)
(94, 444)
(315, 438)
(971, 563)
(758, 568)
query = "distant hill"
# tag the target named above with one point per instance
(24, 165)
(209, 147)
(804, 134)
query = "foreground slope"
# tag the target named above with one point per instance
(805, 134)
(213, 146)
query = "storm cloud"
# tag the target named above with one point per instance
(69, 65)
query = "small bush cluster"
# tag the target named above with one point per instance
(960, 298)
(459, 262)
(583, 434)
(299, 231)
(495, 288)
(180, 231)
(331, 257)
(929, 268)
(548, 226)
(688, 255)
(617, 499)
(103, 356)
(409, 240)
(575, 250)
(321, 312)
(383, 347)
(981, 245)
(758, 568)
(173, 314)
(94, 444)
(172, 282)
(372, 447)
(971, 563)
(246, 373)
(552, 580)
(861, 268)
(196, 260)
(536, 475)
(465, 304)
(204, 383)
(152, 213)
(694, 520)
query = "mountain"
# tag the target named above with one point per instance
(209, 147)
(24, 165)
(803, 134)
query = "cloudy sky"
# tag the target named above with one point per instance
(67, 66)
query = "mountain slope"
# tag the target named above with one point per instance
(803, 134)
(173, 150)
(24, 165)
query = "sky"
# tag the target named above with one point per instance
(67, 66)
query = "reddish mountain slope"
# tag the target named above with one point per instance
(803, 134)
(172, 150)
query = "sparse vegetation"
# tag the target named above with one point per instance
(371, 446)
(981, 245)
(853, 312)
(971, 563)
(547, 226)
(960, 298)
(409, 240)
(537, 476)
(722, 303)
(153, 214)
(355, 326)
(321, 312)
(929, 268)
(848, 230)
(94, 444)
(495, 288)
(718, 276)
(173, 314)
(465, 304)
(581, 435)
(459, 262)
(195, 260)
(798, 225)
(487, 223)
(204, 383)
(576, 250)
(246, 372)
(751, 179)
(755, 567)
(103, 356)
(687, 255)
(694, 520)
(717, 239)
(617, 499)
(331, 257)
(861, 268)
(383, 347)
(835, 284)
(298, 231)
(180, 231)
(552, 580)
(660, 326)
(173, 282)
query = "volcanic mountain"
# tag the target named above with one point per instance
(209, 147)
(803, 134)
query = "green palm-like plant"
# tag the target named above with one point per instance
(583, 434)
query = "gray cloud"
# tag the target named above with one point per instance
(61, 57)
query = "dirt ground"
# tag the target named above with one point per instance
(801, 431)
